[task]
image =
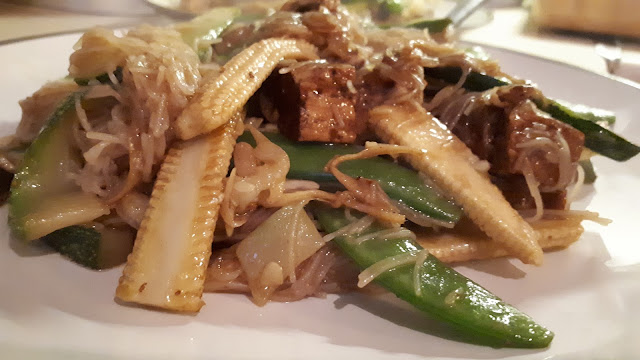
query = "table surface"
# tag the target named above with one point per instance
(509, 29)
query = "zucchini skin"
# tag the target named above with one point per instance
(79, 243)
(93, 247)
(43, 197)
(25, 182)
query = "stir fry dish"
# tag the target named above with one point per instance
(300, 152)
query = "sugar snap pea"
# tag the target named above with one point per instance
(597, 138)
(399, 183)
(475, 81)
(445, 294)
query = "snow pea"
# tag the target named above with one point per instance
(445, 295)
(399, 183)
(596, 137)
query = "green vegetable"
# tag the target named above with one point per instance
(445, 294)
(94, 247)
(392, 7)
(597, 138)
(565, 109)
(433, 25)
(43, 196)
(399, 183)
(45, 202)
(475, 81)
(201, 31)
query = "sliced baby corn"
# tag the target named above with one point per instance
(449, 163)
(451, 246)
(167, 266)
(225, 94)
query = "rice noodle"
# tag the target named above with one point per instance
(421, 219)
(555, 149)
(372, 272)
(448, 91)
(571, 214)
(92, 154)
(349, 216)
(417, 271)
(352, 228)
(577, 185)
(159, 74)
(82, 115)
(102, 91)
(458, 103)
(300, 185)
(533, 186)
(566, 170)
(109, 138)
(387, 234)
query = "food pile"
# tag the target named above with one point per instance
(299, 152)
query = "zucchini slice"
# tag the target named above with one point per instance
(43, 197)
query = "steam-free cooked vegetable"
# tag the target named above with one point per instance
(402, 184)
(441, 155)
(440, 291)
(178, 226)
(43, 197)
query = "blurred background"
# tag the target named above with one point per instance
(598, 35)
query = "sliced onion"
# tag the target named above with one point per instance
(272, 252)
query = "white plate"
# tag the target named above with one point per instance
(589, 294)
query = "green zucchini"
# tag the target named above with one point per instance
(96, 247)
(43, 197)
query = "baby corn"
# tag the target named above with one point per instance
(448, 162)
(220, 98)
(167, 266)
(455, 247)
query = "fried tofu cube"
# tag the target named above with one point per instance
(315, 101)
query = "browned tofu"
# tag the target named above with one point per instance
(515, 190)
(315, 101)
(522, 118)
(497, 133)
